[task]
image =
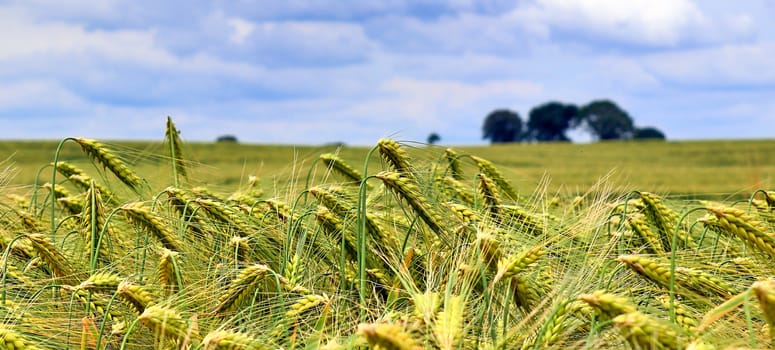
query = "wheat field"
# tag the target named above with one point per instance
(395, 246)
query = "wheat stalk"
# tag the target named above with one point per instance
(387, 337)
(406, 190)
(240, 287)
(231, 340)
(561, 322)
(492, 199)
(448, 328)
(517, 217)
(639, 225)
(10, 339)
(489, 248)
(645, 332)
(341, 167)
(170, 277)
(93, 223)
(109, 160)
(396, 157)
(743, 226)
(72, 205)
(684, 317)
(765, 292)
(489, 170)
(334, 228)
(172, 135)
(30, 223)
(225, 214)
(141, 216)
(664, 219)
(294, 270)
(455, 170)
(136, 296)
(464, 213)
(47, 251)
(343, 206)
(250, 195)
(306, 303)
(97, 304)
(104, 282)
(67, 169)
(608, 305)
(165, 321)
(512, 266)
(461, 191)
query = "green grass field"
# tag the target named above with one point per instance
(710, 169)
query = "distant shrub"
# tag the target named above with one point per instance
(226, 139)
(649, 133)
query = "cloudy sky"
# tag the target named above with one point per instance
(316, 71)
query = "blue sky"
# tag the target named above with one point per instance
(317, 71)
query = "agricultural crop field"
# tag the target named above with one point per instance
(170, 245)
(694, 169)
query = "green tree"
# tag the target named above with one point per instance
(502, 125)
(606, 121)
(433, 138)
(550, 121)
(649, 133)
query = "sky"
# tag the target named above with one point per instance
(320, 71)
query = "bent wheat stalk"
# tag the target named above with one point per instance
(50, 254)
(645, 332)
(394, 155)
(109, 160)
(231, 340)
(167, 322)
(406, 190)
(137, 214)
(340, 166)
(387, 336)
(608, 305)
(136, 296)
(487, 168)
(240, 287)
(744, 226)
(10, 339)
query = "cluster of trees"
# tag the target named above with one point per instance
(551, 121)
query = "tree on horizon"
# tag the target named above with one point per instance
(550, 121)
(605, 120)
(501, 126)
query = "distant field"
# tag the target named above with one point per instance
(696, 169)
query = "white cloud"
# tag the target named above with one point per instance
(463, 32)
(310, 42)
(67, 9)
(241, 30)
(625, 72)
(275, 43)
(728, 65)
(37, 94)
(29, 38)
(652, 23)
(456, 94)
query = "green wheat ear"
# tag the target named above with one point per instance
(396, 157)
(172, 135)
(109, 160)
(340, 166)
